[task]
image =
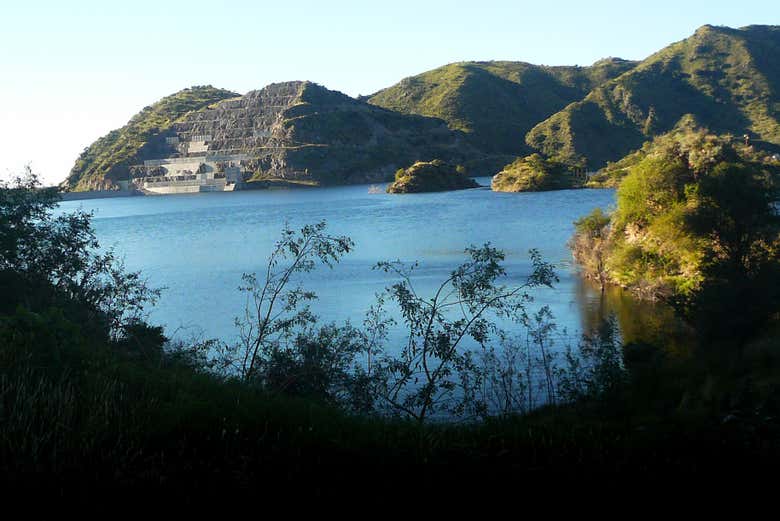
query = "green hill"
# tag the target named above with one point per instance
(728, 79)
(496, 103)
(109, 158)
(294, 131)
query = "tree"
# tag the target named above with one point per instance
(590, 245)
(596, 371)
(434, 370)
(736, 211)
(276, 311)
(55, 260)
(696, 225)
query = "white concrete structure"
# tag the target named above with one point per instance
(197, 147)
(194, 174)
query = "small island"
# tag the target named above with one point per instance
(430, 176)
(534, 173)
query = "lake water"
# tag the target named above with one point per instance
(198, 245)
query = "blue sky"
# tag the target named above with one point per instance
(75, 70)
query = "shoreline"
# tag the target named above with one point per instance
(98, 194)
(268, 184)
(265, 184)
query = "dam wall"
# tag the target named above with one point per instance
(189, 187)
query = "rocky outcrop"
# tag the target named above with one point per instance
(535, 174)
(433, 176)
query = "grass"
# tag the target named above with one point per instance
(191, 436)
(90, 422)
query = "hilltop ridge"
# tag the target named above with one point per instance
(728, 79)
(496, 103)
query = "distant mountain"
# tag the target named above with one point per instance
(728, 79)
(296, 131)
(483, 115)
(496, 103)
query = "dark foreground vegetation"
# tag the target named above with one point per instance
(95, 402)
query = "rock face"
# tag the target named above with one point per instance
(294, 131)
(535, 174)
(433, 176)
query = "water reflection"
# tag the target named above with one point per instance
(639, 321)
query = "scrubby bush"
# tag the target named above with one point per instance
(534, 173)
(430, 176)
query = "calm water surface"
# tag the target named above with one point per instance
(198, 245)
